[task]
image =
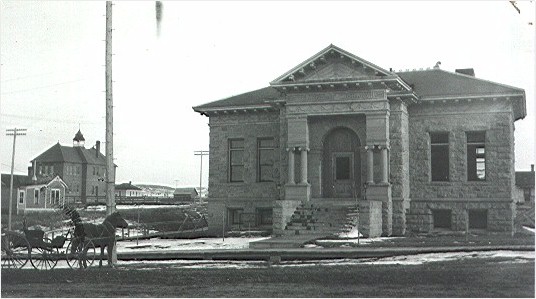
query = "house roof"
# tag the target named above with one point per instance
(61, 153)
(18, 180)
(425, 84)
(525, 179)
(185, 191)
(47, 180)
(127, 186)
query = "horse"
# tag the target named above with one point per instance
(102, 235)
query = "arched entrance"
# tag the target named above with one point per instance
(341, 164)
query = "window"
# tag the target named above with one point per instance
(439, 154)
(235, 216)
(46, 169)
(51, 169)
(476, 156)
(343, 169)
(21, 196)
(236, 160)
(36, 196)
(55, 196)
(40, 169)
(94, 170)
(442, 219)
(478, 219)
(264, 216)
(265, 159)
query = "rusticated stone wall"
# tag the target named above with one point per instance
(251, 193)
(458, 194)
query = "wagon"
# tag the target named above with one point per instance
(44, 253)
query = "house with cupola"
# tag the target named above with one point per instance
(338, 142)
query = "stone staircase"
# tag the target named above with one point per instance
(325, 219)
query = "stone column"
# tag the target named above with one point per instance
(304, 151)
(385, 165)
(370, 164)
(290, 166)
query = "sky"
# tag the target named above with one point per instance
(53, 77)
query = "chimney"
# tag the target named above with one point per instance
(34, 177)
(97, 146)
(531, 167)
(468, 72)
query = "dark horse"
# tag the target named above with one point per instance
(102, 235)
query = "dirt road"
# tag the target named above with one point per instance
(468, 278)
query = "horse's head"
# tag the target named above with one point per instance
(116, 220)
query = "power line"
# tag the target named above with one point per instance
(42, 87)
(65, 121)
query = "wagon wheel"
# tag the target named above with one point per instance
(15, 250)
(80, 255)
(45, 257)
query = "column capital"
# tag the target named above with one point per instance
(385, 146)
(302, 148)
(290, 149)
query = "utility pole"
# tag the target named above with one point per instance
(201, 153)
(13, 132)
(110, 169)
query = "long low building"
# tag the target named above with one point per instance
(338, 136)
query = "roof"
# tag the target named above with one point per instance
(185, 191)
(47, 180)
(425, 84)
(79, 136)
(251, 98)
(61, 153)
(525, 179)
(18, 180)
(440, 83)
(127, 186)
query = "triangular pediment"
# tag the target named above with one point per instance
(332, 65)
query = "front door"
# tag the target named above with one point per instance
(341, 165)
(343, 174)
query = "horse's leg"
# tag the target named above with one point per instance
(101, 255)
(110, 251)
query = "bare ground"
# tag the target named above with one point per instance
(467, 278)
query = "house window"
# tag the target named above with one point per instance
(439, 154)
(476, 156)
(264, 216)
(235, 216)
(478, 219)
(21, 196)
(442, 219)
(265, 159)
(36, 196)
(40, 169)
(55, 196)
(236, 160)
(51, 169)
(46, 169)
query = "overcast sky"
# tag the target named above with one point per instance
(52, 66)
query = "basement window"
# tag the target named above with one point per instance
(264, 216)
(234, 216)
(442, 219)
(439, 154)
(476, 156)
(478, 219)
